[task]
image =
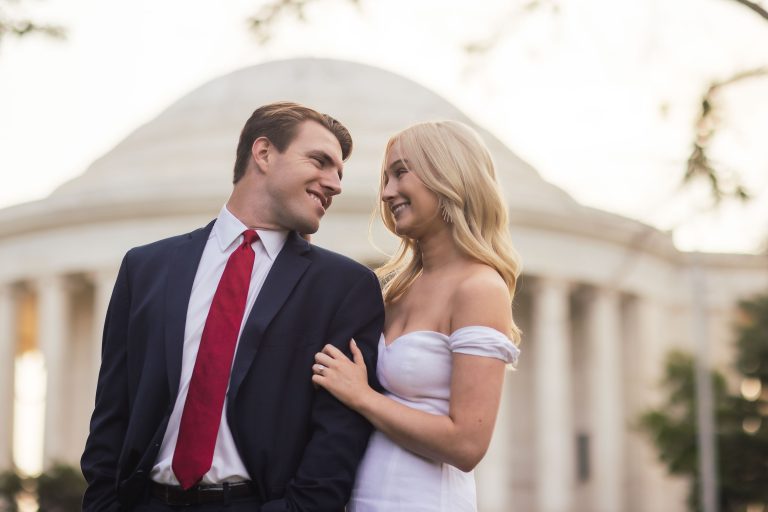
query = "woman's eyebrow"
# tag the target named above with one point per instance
(400, 162)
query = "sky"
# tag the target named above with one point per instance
(598, 95)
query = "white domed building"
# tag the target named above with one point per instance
(602, 299)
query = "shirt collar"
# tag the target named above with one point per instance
(229, 228)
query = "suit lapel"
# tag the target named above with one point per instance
(183, 264)
(286, 271)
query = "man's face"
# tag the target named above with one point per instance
(302, 180)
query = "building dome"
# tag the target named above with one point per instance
(182, 159)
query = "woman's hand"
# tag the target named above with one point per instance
(346, 380)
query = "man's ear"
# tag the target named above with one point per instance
(260, 152)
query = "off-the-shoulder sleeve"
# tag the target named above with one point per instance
(478, 340)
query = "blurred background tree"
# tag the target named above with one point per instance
(14, 23)
(741, 418)
(724, 182)
(60, 489)
(10, 487)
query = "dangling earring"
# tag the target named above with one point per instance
(444, 213)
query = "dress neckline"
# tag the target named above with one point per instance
(419, 331)
(440, 334)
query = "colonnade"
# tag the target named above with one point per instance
(619, 355)
(609, 384)
(71, 358)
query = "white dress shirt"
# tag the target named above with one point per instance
(225, 237)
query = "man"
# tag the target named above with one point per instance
(204, 399)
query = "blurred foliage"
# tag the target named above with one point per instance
(723, 182)
(18, 25)
(10, 486)
(506, 22)
(59, 489)
(263, 22)
(752, 360)
(741, 421)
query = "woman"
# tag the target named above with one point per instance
(448, 328)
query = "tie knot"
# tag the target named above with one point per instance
(250, 236)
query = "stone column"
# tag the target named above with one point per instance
(52, 330)
(649, 487)
(555, 449)
(493, 476)
(606, 397)
(7, 374)
(103, 282)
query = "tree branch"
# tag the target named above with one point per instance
(760, 10)
(505, 23)
(699, 164)
(264, 20)
(13, 25)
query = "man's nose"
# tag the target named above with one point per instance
(332, 184)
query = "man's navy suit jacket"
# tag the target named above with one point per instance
(300, 445)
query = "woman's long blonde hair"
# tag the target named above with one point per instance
(453, 162)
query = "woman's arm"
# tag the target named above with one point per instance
(462, 437)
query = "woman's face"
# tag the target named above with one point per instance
(414, 207)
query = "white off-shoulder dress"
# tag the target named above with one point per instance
(415, 369)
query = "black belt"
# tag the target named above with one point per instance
(199, 494)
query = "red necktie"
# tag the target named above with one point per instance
(210, 377)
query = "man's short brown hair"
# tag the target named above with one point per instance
(279, 123)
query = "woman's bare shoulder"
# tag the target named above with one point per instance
(481, 298)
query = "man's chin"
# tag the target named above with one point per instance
(308, 229)
(301, 225)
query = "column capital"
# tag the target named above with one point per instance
(12, 287)
(596, 292)
(44, 282)
(102, 274)
(7, 291)
(540, 283)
